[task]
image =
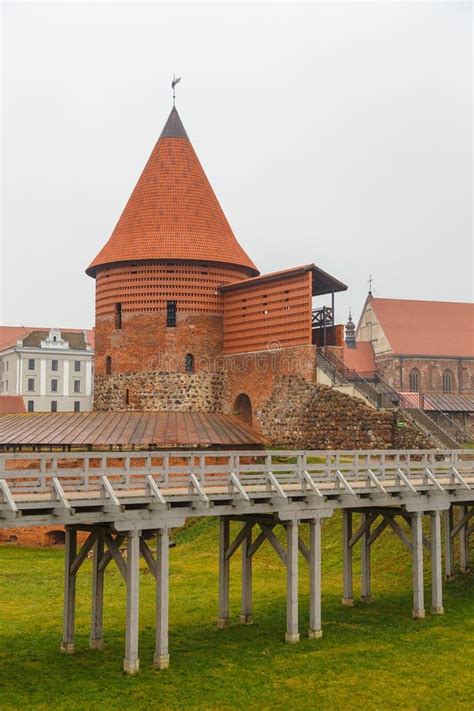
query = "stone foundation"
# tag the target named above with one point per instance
(162, 392)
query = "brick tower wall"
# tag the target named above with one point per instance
(147, 358)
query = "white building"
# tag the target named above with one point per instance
(51, 369)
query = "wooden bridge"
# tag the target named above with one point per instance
(131, 499)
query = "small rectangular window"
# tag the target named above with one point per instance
(54, 405)
(31, 384)
(77, 366)
(54, 385)
(31, 363)
(171, 313)
(77, 386)
(77, 406)
(31, 406)
(54, 365)
(118, 315)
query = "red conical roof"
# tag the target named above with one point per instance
(173, 212)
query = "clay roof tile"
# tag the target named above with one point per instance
(173, 212)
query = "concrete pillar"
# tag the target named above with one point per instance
(224, 570)
(131, 662)
(347, 598)
(161, 659)
(366, 582)
(449, 544)
(464, 542)
(436, 565)
(70, 550)
(96, 637)
(246, 613)
(315, 630)
(292, 634)
(417, 551)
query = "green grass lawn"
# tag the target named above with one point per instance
(370, 657)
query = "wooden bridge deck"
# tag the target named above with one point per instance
(126, 498)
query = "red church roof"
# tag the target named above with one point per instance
(360, 358)
(173, 212)
(437, 328)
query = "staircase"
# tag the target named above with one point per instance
(380, 394)
(439, 436)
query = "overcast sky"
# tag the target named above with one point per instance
(334, 133)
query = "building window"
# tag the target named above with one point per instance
(189, 363)
(77, 406)
(127, 396)
(77, 386)
(54, 385)
(447, 381)
(54, 405)
(54, 365)
(108, 365)
(31, 406)
(31, 384)
(171, 313)
(414, 380)
(118, 315)
(77, 366)
(31, 363)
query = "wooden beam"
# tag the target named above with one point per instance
(96, 635)
(161, 658)
(116, 554)
(70, 546)
(131, 662)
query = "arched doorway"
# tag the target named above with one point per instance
(55, 538)
(243, 408)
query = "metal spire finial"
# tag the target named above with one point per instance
(175, 81)
(370, 282)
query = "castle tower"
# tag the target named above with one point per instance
(158, 308)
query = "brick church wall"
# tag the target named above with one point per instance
(431, 373)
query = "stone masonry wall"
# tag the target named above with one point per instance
(308, 415)
(165, 392)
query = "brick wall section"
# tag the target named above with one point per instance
(431, 373)
(254, 374)
(270, 314)
(147, 344)
(36, 535)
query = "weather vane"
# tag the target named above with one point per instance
(370, 282)
(175, 81)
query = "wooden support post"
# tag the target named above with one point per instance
(70, 549)
(292, 634)
(366, 582)
(464, 542)
(131, 662)
(96, 637)
(449, 544)
(417, 550)
(224, 569)
(246, 613)
(315, 630)
(161, 659)
(347, 598)
(436, 565)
